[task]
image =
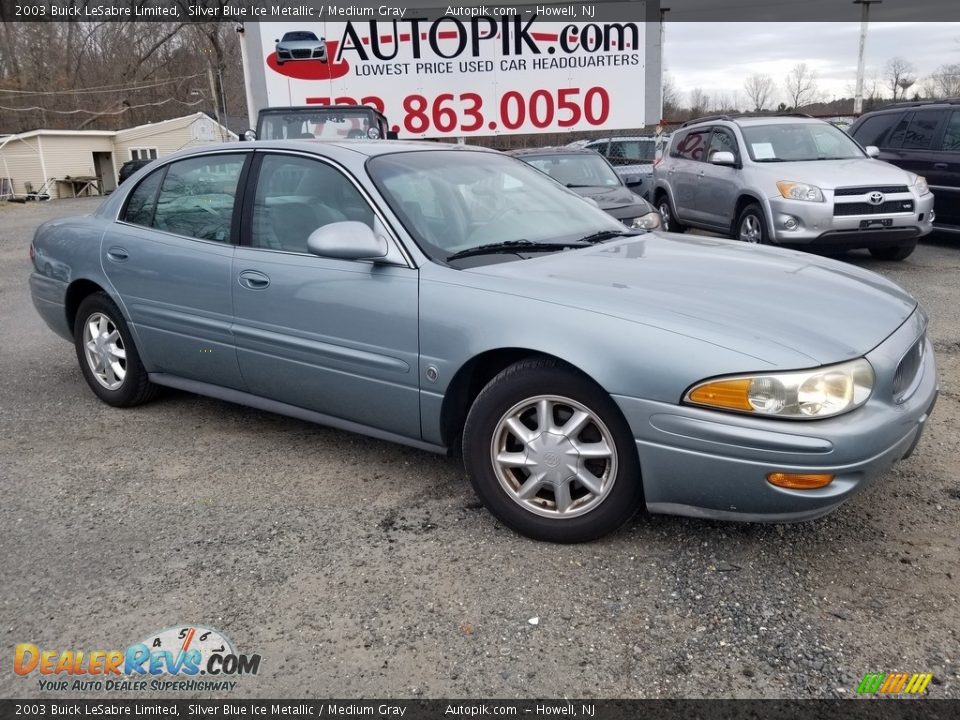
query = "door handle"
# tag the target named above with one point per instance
(940, 166)
(117, 254)
(253, 280)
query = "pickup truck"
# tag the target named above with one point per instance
(321, 122)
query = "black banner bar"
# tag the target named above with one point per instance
(920, 708)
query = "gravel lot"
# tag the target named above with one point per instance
(357, 568)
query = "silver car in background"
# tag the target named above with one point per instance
(790, 180)
(458, 300)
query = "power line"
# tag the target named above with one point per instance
(99, 112)
(102, 88)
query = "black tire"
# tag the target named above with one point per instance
(752, 213)
(601, 513)
(894, 252)
(668, 216)
(135, 387)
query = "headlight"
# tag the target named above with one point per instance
(803, 395)
(650, 221)
(921, 185)
(799, 191)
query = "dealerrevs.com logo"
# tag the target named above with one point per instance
(186, 658)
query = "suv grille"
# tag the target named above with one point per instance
(908, 368)
(886, 189)
(862, 208)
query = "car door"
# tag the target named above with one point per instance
(170, 257)
(334, 336)
(943, 175)
(716, 190)
(685, 171)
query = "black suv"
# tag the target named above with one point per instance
(922, 137)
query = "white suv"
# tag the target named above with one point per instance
(791, 180)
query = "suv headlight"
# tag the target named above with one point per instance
(921, 185)
(799, 191)
(650, 221)
(804, 395)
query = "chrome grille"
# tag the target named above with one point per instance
(908, 368)
(862, 208)
(866, 189)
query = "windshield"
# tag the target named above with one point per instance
(298, 36)
(451, 201)
(339, 125)
(576, 170)
(796, 142)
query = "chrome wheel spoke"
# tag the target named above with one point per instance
(544, 415)
(575, 423)
(519, 430)
(590, 481)
(514, 459)
(594, 451)
(561, 495)
(530, 487)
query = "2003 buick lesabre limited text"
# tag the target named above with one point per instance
(455, 299)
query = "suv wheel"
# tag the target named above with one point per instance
(667, 216)
(894, 252)
(751, 226)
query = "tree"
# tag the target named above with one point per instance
(699, 101)
(900, 76)
(671, 97)
(759, 89)
(944, 82)
(801, 86)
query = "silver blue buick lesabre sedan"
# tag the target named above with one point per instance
(455, 299)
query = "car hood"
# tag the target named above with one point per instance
(612, 197)
(830, 174)
(787, 309)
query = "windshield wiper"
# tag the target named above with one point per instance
(599, 237)
(511, 246)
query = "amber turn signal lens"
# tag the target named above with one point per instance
(732, 394)
(799, 481)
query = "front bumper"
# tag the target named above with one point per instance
(818, 225)
(710, 464)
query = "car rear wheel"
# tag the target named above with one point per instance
(107, 355)
(549, 453)
(894, 252)
(667, 216)
(751, 226)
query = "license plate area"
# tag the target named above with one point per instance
(879, 222)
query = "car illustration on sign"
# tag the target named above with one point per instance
(300, 45)
(458, 300)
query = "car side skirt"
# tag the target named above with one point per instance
(261, 403)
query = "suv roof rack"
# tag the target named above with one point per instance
(740, 116)
(920, 103)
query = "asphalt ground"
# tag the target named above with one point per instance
(358, 568)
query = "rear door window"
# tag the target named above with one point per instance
(197, 197)
(922, 129)
(951, 134)
(692, 145)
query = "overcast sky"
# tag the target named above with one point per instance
(718, 57)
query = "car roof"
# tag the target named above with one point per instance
(628, 137)
(552, 150)
(750, 120)
(929, 104)
(334, 148)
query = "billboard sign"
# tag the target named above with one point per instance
(451, 76)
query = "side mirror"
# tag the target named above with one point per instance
(872, 151)
(347, 240)
(249, 135)
(391, 135)
(723, 157)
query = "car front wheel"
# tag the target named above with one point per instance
(550, 455)
(107, 355)
(667, 216)
(894, 252)
(751, 227)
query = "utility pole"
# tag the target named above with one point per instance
(864, 23)
(663, 13)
